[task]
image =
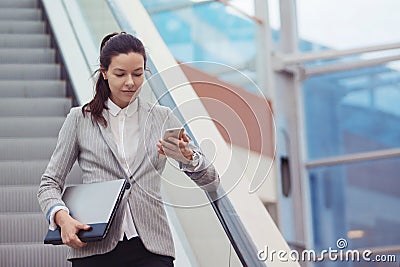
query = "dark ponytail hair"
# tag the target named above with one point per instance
(112, 45)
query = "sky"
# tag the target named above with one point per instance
(340, 24)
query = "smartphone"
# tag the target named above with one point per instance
(173, 132)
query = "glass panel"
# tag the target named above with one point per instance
(358, 202)
(98, 19)
(159, 6)
(349, 27)
(352, 111)
(208, 32)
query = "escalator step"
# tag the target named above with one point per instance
(19, 199)
(30, 127)
(33, 255)
(22, 27)
(24, 40)
(20, 14)
(18, 4)
(29, 88)
(13, 149)
(22, 227)
(30, 172)
(27, 56)
(29, 72)
(34, 107)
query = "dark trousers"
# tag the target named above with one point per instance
(128, 253)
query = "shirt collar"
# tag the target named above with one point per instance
(114, 109)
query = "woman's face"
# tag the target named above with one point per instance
(125, 77)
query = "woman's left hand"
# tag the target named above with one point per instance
(177, 149)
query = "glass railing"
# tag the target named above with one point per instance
(208, 31)
(358, 202)
(360, 106)
(352, 189)
(205, 226)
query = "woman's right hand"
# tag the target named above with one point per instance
(69, 229)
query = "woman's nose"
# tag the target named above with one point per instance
(129, 80)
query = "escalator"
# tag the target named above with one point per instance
(33, 106)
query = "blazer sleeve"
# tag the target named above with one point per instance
(64, 156)
(205, 176)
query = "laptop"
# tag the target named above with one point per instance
(93, 204)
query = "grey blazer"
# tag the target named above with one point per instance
(94, 148)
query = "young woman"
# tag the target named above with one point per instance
(114, 136)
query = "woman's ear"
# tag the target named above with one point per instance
(103, 72)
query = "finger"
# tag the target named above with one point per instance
(183, 145)
(73, 241)
(77, 243)
(174, 140)
(173, 152)
(178, 146)
(160, 148)
(82, 226)
(86, 227)
(178, 154)
(159, 145)
(170, 150)
(168, 145)
(185, 137)
(179, 143)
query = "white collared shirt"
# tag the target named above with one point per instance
(124, 124)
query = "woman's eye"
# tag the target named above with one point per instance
(119, 75)
(138, 74)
